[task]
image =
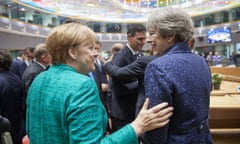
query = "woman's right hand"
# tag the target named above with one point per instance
(149, 119)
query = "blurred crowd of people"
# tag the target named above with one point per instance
(215, 59)
(16, 76)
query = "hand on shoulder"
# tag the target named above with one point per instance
(149, 119)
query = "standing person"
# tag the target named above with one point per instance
(236, 59)
(216, 58)
(18, 65)
(125, 92)
(63, 104)
(42, 60)
(210, 58)
(11, 94)
(135, 69)
(116, 47)
(28, 52)
(179, 77)
(100, 76)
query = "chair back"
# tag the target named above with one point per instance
(6, 138)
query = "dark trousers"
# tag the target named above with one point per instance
(117, 123)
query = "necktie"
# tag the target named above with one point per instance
(136, 56)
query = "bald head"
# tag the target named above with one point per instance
(116, 47)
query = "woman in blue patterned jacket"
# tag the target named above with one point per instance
(179, 77)
(63, 103)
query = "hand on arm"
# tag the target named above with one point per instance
(149, 119)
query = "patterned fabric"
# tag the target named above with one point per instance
(63, 107)
(183, 79)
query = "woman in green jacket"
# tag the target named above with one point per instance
(63, 105)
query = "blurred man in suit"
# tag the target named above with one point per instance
(18, 65)
(125, 92)
(135, 69)
(28, 52)
(42, 60)
(11, 95)
(236, 59)
(100, 77)
(116, 47)
(99, 74)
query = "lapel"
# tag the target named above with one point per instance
(128, 54)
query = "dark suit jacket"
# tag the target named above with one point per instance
(236, 60)
(100, 77)
(124, 91)
(135, 69)
(18, 66)
(11, 97)
(29, 74)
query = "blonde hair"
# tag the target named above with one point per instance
(67, 36)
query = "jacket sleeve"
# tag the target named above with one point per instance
(87, 120)
(103, 77)
(134, 69)
(158, 89)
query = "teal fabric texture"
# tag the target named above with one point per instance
(64, 107)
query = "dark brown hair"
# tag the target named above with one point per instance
(5, 60)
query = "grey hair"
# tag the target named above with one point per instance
(40, 50)
(170, 21)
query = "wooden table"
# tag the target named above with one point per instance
(225, 111)
(225, 106)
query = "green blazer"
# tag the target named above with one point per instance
(64, 107)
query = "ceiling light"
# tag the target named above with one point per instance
(90, 5)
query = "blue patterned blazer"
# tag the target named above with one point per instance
(184, 80)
